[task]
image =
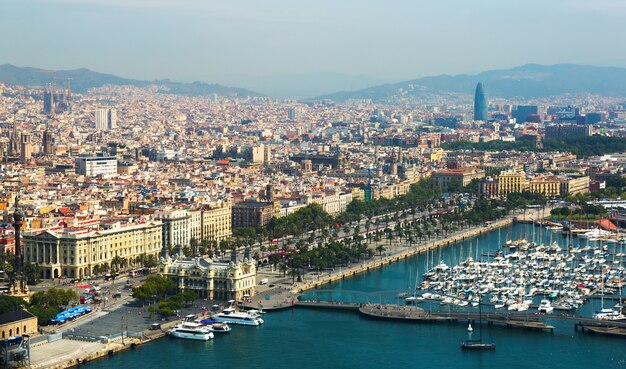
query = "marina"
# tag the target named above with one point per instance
(432, 340)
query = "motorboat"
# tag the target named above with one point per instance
(231, 316)
(609, 314)
(220, 328)
(545, 307)
(191, 331)
(477, 345)
(595, 233)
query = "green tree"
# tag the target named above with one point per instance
(10, 303)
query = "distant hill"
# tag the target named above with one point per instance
(309, 84)
(527, 81)
(84, 79)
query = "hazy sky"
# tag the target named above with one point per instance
(236, 40)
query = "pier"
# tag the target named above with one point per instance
(416, 314)
(531, 321)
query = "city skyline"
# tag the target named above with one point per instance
(250, 45)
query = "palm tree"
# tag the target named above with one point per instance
(380, 248)
(389, 234)
(283, 268)
(116, 262)
(193, 246)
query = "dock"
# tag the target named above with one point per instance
(530, 321)
(410, 313)
(605, 330)
(328, 305)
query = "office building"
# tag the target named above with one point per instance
(92, 166)
(480, 103)
(260, 153)
(522, 112)
(561, 131)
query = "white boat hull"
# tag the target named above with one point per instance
(239, 321)
(192, 336)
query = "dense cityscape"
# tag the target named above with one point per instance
(352, 185)
(121, 180)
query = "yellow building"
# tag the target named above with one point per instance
(210, 279)
(434, 154)
(216, 221)
(512, 181)
(75, 251)
(548, 186)
(574, 185)
(443, 178)
(358, 194)
(17, 323)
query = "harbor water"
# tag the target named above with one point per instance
(307, 338)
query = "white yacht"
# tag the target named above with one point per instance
(219, 328)
(545, 307)
(231, 316)
(609, 314)
(595, 233)
(191, 331)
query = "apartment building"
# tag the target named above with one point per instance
(176, 226)
(252, 214)
(216, 221)
(512, 181)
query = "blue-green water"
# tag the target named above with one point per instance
(305, 338)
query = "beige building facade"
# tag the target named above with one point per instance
(216, 221)
(74, 252)
(17, 323)
(209, 279)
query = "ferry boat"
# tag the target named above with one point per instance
(191, 331)
(229, 315)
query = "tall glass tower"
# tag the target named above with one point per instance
(480, 103)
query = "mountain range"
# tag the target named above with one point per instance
(524, 82)
(84, 79)
(527, 81)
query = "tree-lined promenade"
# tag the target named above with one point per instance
(319, 241)
(394, 250)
